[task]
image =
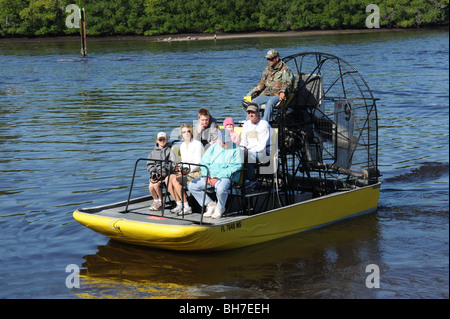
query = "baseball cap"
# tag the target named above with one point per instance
(161, 134)
(252, 107)
(271, 54)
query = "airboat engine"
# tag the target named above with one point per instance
(328, 134)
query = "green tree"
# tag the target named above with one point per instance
(149, 17)
(413, 13)
(42, 17)
(157, 12)
(10, 21)
(272, 15)
(137, 22)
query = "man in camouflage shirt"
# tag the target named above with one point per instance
(275, 82)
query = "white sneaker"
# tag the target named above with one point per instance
(155, 206)
(217, 213)
(210, 209)
(176, 209)
(187, 211)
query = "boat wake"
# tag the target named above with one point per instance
(421, 191)
(427, 171)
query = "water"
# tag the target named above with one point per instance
(71, 129)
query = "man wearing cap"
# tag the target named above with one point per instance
(275, 83)
(255, 137)
(222, 158)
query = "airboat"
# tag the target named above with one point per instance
(322, 168)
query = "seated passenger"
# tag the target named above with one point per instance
(191, 152)
(228, 124)
(223, 158)
(158, 170)
(255, 137)
(206, 130)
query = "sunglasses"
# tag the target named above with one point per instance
(161, 139)
(183, 132)
(271, 59)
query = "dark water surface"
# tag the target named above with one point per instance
(71, 129)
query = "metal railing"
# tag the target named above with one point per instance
(170, 167)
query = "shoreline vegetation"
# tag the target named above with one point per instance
(211, 37)
(202, 19)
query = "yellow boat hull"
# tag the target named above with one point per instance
(248, 230)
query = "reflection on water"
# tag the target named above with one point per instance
(309, 265)
(71, 129)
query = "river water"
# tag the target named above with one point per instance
(71, 129)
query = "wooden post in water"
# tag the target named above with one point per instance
(83, 33)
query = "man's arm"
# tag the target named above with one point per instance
(261, 84)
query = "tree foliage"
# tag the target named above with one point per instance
(149, 17)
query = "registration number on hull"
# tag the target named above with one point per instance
(230, 226)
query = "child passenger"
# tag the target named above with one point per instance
(206, 130)
(228, 124)
(158, 170)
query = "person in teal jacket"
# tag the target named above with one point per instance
(223, 158)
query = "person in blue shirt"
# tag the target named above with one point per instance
(222, 158)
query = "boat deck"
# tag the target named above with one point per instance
(138, 210)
